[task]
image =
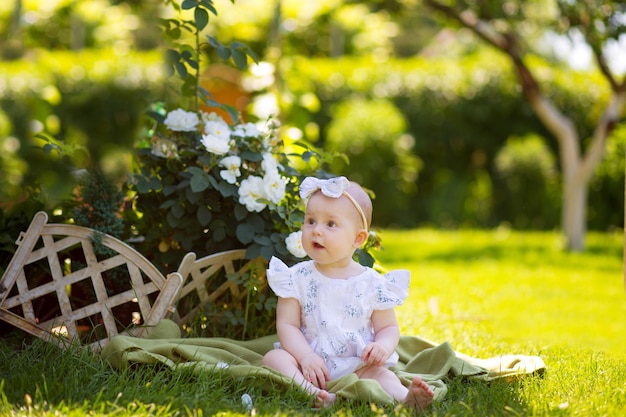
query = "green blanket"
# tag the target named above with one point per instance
(435, 363)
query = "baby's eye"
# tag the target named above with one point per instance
(310, 221)
(332, 224)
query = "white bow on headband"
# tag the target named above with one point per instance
(334, 188)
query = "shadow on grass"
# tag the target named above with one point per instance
(537, 252)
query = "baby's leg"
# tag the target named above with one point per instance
(418, 395)
(286, 364)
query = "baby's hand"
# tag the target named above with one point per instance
(314, 370)
(375, 354)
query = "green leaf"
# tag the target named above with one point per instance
(181, 69)
(253, 252)
(195, 171)
(206, 159)
(169, 190)
(240, 212)
(251, 156)
(192, 197)
(167, 204)
(204, 215)
(245, 233)
(201, 18)
(256, 222)
(209, 5)
(205, 94)
(189, 58)
(239, 58)
(172, 55)
(231, 110)
(141, 183)
(154, 183)
(178, 211)
(365, 259)
(263, 240)
(213, 42)
(172, 221)
(226, 189)
(199, 183)
(213, 182)
(223, 51)
(244, 49)
(267, 252)
(189, 4)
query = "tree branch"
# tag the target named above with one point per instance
(506, 43)
(605, 126)
(604, 68)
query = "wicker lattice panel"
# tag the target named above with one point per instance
(208, 280)
(59, 288)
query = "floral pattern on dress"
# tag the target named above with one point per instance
(336, 313)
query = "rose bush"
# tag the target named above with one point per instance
(205, 186)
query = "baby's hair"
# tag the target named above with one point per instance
(363, 199)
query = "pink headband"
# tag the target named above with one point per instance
(334, 188)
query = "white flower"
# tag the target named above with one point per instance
(216, 138)
(248, 130)
(217, 128)
(250, 191)
(215, 144)
(274, 186)
(211, 117)
(180, 120)
(269, 164)
(232, 165)
(294, 244)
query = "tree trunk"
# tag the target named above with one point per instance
(573, 213)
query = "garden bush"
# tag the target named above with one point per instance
(527, 180)
(373, 136)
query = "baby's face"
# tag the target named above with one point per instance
(330, 228)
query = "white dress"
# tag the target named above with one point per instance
(336, 313)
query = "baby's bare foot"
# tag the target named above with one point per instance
(420, 395)
(324, 399)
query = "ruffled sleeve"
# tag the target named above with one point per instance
(280, 279)
(392, 289)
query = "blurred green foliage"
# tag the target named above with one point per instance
(435, 126)
(460, 112)
(527, 178)
(422, 133)
(373, 134)
(606, 192)
(67, 110)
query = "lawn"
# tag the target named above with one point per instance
(486, 292)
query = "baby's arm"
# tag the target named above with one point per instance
(293, 341)
(386, 338)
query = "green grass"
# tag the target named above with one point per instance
(487, 293)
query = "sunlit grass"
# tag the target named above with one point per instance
(487, 293)
(511, 287)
